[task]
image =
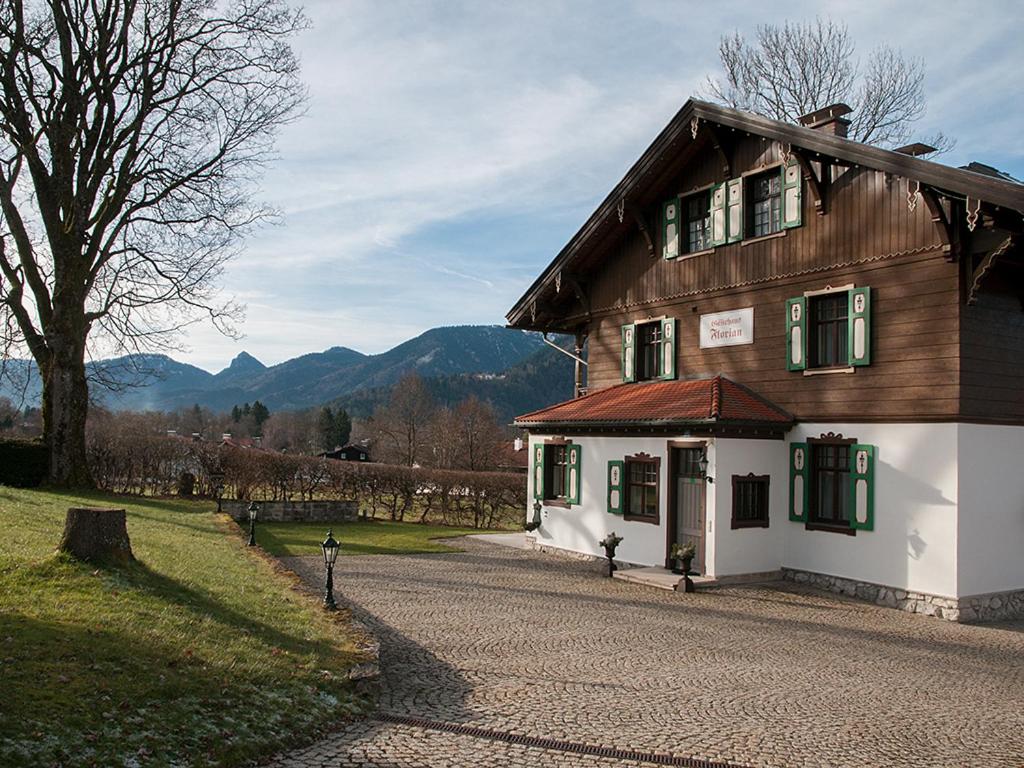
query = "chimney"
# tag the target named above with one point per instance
(829, 120)
(518, 444)
(172, 433)
(257, 440)
(226, 436)
(197, 436)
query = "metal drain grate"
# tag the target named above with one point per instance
(554, 744)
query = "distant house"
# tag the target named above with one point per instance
(229, 441)
(347, 453)
(513, 457)
(804, 358)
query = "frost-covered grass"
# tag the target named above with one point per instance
(200, 653)
(363, 537)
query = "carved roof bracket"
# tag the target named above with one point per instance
(577, 288)
(722, 147)
(814, 182)
(986, 265)
(641, 224)
(943, 224)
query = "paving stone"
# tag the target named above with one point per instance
(520, 642)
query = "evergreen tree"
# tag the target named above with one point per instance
(260, 414)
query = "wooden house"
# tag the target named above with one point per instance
(349, 452)
(804, 355)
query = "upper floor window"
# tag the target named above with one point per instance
(648, 351)
(829, 330)
(698, 222)
(764, 204)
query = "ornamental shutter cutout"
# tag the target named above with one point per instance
(615, 485)
(859, 326)
(671, 226)
(799, 473)
(573, 478)
(538, 471)
(718, 228)
(862, 487)
(629, 352)
(796, 334)
(734, 202)
(792, 202)
(668, 348)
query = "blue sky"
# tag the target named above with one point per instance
(451, 149)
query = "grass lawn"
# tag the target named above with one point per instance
(200, 653)
(371, 537)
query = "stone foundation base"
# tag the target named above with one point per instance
(574, 555)
(327, 511)
(993, 607)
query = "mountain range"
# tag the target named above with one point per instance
(513, 370)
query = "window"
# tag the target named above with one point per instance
(556, 461)
(830, 483)
(829, 347)
(642, 488)
(750, 501)
(648, 357)
(765, 203)
(698, 222)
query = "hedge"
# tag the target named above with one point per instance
(23, 463)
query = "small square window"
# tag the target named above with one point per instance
(750, 501)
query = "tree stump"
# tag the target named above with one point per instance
(97, 535)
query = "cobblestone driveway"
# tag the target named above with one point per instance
(520, 643)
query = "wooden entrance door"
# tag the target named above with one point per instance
(688, 492)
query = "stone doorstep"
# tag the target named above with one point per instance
(662, 578)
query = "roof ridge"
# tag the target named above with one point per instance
(716, 397)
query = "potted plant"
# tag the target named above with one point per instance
(610, 542)
(682, 555)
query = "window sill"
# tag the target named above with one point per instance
(692, 254)
(642, 519)
(831, 528)
(826, 371)
(560, 503)
(774, 235)
(738, 524)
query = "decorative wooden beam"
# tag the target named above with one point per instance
(942, 223)
(641, 224)
(720, 145)
(581, 294)
(817, 185)
(986, 266)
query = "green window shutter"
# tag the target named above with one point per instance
(538, 471)
(668, 348)
(616, 483)
(862, 487)
(796, 334)
(799, 474)
(734, 203)
(629, 352)
(573, 478)
(671, 217)
(719, 232)
(792, 195)
(859, 326)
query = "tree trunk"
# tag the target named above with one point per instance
(65, 409)
(97, 535)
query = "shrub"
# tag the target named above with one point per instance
(23, 463)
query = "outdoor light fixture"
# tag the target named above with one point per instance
(331, 548)
(534, 524)
(702, 463)
(254, 509)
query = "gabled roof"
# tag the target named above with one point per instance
(687, 403)
(678, 135)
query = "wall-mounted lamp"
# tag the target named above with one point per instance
(702, 464)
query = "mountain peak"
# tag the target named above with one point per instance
(245, 362)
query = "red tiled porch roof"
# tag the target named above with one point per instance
(711, 401)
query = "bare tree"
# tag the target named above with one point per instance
(130, 136)
(403, 423)
(794, 69)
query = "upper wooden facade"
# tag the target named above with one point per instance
(946, 320)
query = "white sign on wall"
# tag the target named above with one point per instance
(726, 329)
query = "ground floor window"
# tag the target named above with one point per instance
(642, 480)
(555, 464)
(830, 483)
(750, 501)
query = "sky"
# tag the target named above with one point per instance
(449, 150)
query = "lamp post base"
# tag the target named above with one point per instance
(329, 604)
